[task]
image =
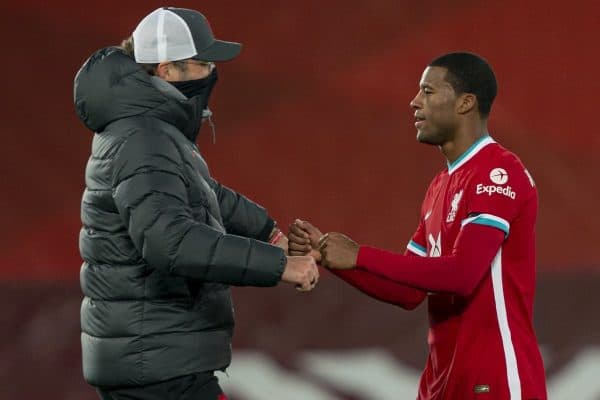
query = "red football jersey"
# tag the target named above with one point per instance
(483, 346)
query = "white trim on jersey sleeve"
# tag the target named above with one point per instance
(416, 248)
(488, 220)
(510, 357)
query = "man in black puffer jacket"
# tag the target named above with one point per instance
(161, 239)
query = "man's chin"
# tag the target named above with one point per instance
(423, 138)
(434, 140)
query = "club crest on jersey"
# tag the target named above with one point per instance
(454, 207)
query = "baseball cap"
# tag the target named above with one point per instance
(172, 34)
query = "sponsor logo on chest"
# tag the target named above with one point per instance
(499, 176)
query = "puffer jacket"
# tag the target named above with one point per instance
(161, 240)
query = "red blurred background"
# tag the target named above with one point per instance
(312, 121)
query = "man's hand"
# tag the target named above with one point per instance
(301, 271)
(338, 251)
(304, 239)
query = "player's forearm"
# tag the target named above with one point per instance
(382, 289)
(459, 273)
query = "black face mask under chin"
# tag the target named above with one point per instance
(199, 91)
(198, 87)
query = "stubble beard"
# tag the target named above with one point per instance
(434, 140)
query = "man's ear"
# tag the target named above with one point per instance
(163, 70)
(465, 103)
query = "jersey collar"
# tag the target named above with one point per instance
(470, 153)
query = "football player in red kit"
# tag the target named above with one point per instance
(473, 253)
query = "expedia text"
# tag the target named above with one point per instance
(490, 190)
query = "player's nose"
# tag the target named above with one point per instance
(415, 103)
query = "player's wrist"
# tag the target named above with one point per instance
(364, 256)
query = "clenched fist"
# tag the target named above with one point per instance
(301, 271)
(304, 239)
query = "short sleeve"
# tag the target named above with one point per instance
(496, 194)
(416, 244)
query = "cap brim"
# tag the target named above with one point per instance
(220, 50)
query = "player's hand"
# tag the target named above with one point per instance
(301, 271)
(338, 251)
(304, 239)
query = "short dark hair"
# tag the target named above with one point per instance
(127, 47)
(470, 73)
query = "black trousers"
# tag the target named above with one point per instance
(204, 386)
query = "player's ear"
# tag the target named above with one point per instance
(163, 70)
(465, 103)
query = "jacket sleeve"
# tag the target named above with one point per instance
(150, 192)
(241, 215)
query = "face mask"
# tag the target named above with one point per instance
(199, 91)
(198, 87)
